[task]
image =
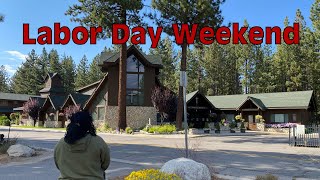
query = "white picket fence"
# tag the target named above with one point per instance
(306, 136)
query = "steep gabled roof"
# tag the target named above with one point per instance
(77, 99)
(92, 85)
(278, 100)
(190, 96)
(55, 101)
(96, 91)
(151, 60)
(255, 101)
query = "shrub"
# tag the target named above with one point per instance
(4, 121)
(267, 177)
(217, 126)
(163, 129)
(151, 174)
(129, 130)
(104, 128)
(242, 125)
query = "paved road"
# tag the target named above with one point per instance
(244, 156)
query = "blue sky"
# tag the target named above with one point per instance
(45, 13)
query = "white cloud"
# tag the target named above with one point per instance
(17, 54)
(10, 69)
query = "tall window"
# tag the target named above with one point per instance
(135, 82)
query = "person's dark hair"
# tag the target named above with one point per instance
(81, 124)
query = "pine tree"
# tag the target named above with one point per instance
(105, 13)
(168, 56)
(203, 13)
(82, 73)
(68, 73)
(4, 80)
(95, 73)
(28, 78)
(54, 62)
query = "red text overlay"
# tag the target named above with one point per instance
(137, 35)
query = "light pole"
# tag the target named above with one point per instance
(183, 83)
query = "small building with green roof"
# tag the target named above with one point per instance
(279, 107)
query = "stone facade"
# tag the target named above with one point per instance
(260, 127)
(137, 116)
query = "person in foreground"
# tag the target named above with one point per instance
(81, 154)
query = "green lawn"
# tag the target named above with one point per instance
(31, 127)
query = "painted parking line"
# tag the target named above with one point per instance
(136, 163)
(269, 156)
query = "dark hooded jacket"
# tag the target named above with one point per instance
(87, 158)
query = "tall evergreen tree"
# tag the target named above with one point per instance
(105, 13)
(95, 73)
(68, 73)
(82, 73)
(188, 12)
(54, 62)
(4, 80)
(28, 78)
(168, 56)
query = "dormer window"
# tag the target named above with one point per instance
(135, 82)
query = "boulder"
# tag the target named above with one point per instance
(187, 169)
(19, 150)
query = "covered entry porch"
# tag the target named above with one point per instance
(198, 109)
(248, 111)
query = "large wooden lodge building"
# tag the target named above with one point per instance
(100, 98)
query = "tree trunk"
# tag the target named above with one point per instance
(183, 67)
(122, 122)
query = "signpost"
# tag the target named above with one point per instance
(183, 83)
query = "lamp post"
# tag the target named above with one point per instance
(183, 83)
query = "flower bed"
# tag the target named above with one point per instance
(150, 174)
(282, 125)
(280, 128)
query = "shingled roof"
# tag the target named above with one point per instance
(77, 99)
(14, 97)
(108, 57)
(278, 100)
(56, 101)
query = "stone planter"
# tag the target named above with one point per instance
(232, 131)
(39, 123)
(260, 127)
(57, 124)
(217, 131)
(196, 131)
(30, 122)
(211, 125)
(206, 131)
(242, 130)
(49, 124)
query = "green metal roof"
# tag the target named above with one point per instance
(57, 101)
(113, 57)
(16, 97)
(278, 100)
(80, 98)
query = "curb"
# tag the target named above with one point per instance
(33, 160)
(32, 129)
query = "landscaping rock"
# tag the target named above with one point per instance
(19, 150)
(187, 169)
